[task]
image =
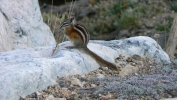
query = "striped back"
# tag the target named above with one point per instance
(81, 30)
(83, 33)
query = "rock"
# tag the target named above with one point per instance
(50, 97)
(25, 71)
(65, 92)
(140, 45)
(60, 99)
(62, 83)
(136, 57)
(128, 69)
(100, 76)
(170, 99)
(104, 98)
(87, 85)
(93, 85)
(76, 82)
(22, 26)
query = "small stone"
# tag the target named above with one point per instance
(105, 68)
(100, 76)
(59, 98)
(93, 85)
(83, 79)
(103, 72)
(115, 96)
(50, 97)
(87, 85)
(136, 57)
(38, 93)
(104, 98)
(133, 64)
(76, 82)
(73, 92)
(128, 69)
(136, 74)
(65, 91)
(129, 59)
(62, 83)
(111, 72)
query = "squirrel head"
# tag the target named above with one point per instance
(68, 23)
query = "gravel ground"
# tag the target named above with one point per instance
(150, 82)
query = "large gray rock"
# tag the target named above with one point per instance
(22, 25)
(141, 45)
(25, 71)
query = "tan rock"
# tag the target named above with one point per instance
(60, 99)
(128, 69)
(65, 92)
(76, 82)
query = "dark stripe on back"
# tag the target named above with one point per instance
(79, 34)
(84, 31)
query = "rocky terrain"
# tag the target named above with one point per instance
(150, 81)
(31, 68)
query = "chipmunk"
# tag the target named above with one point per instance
(79, 36)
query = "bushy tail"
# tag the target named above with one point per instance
(100, 60)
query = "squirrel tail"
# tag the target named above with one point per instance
(100, 60)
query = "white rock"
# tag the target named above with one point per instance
(141, 45)
(22, 25)
(29, 70)
(93, 85)
(100, 76)
(76, 82)
(50, 97)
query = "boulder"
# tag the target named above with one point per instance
(141, 45)
(22, 25)
(29, 70)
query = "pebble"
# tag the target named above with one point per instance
(60, 99)
(50, 97)
(76, 82)
(104, 98)
(62, 83)
(93, 85)
(100, 76)
(65, 91)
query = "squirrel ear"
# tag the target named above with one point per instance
(73, 20)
